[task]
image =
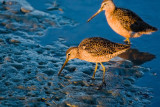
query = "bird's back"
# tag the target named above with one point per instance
(100, 48)
(131, 21)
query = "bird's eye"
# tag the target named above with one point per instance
(69, 54)
(104, 3)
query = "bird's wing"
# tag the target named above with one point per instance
(130, 21)
(99, 46)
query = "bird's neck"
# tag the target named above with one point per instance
(110, 8)
(76, 52)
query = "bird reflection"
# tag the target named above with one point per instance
(137, 57)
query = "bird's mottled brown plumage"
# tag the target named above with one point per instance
(123, 21)
(95, 49)
(97, 46)
(131, 21)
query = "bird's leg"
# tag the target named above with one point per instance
(104, 70)
(127, 41)
(95, 70)
(103, 81)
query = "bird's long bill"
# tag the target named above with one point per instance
(63, 66)
(95, 14)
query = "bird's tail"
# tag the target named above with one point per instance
(146, 31)
(152, 29)
(149, 30)
(120, 49)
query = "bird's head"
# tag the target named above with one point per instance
(71, 53)
(106, 5)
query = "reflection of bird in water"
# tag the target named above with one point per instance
(123, 21)
(137, 57)
(95, 49)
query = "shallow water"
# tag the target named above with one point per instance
(33, 49)
(80, 11)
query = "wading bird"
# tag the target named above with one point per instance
(123, 21)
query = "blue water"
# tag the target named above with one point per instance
(81, 10)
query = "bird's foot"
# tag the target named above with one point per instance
(127, 41)
(60, 75)
(103, 84)
(92, 78)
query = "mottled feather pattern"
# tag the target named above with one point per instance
(131, 21)
(98, 46)
(126, 17)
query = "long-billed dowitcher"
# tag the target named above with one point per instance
(95, 49)
(123, 21)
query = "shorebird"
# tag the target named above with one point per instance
(97, 50)
(123, 21)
